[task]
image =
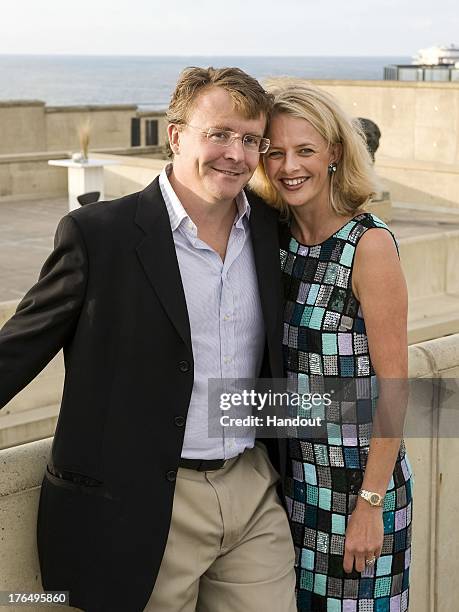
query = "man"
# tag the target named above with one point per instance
(150, 296)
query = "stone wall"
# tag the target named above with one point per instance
(434, 587)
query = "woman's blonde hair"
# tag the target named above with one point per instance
(354, 182)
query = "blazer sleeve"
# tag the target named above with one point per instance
(47, 315)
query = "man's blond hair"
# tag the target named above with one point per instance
(249, 97)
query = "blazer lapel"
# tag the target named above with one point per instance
(265, 240)
(158, 257)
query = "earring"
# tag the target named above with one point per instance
(332, 168)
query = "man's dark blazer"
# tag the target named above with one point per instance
(111, 295)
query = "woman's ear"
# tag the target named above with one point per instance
(173, 133)
(336, 152)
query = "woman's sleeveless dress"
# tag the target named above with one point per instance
(325, 336)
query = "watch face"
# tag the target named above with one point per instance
(374, 499)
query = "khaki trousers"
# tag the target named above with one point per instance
(229, 547)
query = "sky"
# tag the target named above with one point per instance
(232, 27)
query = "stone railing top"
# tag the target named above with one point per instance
(91, 107)
(22, 467)
(9, 103)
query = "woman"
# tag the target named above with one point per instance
(348, 492)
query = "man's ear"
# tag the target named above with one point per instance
(173, 133)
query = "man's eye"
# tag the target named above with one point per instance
(219, 136)
(252, 140)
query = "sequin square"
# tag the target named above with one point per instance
(401, 497)
(306, 317)
(321, 454)
(329, 345)
(349, 434)
(312, 294)
(339, 502)
(351, 457)
(363, 366)
(312, 495)
(388, 544)
(342, 279)
(320, 584)
(346, 365)
(360, 344)
(337, 544)
(310, 476)
(306, 580)
(319, 274)
(322, 541)
(351, 588)
(345, 344)
(333, 605)
(338, 524)
(365, 605)
(307, 559)
(315, 364)
(382, 605)
(293, 337)
(389, 501)
(388, 520)
(396, 584)
(317, 317)
(345, 231)
(324, 498)
(365, 588)
(322, 562)
(334, 435)
(335, 588)
(347, 255)
(307, 451)
(330, 365)
(309, 537)
(297, 470)
(336, 456)
(331, 273)
(324, 476)
(382, 586)
(298, 512)
(384, 565)
(323, 296)
(331, 321)
(400, 519)
(303, 292)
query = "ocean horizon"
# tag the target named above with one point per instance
(148, 81)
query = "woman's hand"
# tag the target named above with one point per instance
(364, 536)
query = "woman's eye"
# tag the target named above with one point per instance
(306, 151)
(274, 154)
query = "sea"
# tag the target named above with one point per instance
(148, 81)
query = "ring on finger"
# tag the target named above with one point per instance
(371, 561)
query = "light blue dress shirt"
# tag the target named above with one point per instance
(226, 321)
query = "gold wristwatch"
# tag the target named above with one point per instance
(374, 499)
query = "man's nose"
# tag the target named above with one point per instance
(235, 150)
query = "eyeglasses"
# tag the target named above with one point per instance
(225, 138)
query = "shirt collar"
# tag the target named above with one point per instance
(177, 212)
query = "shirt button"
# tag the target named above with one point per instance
(179, 421)
(171, 475)
(184, 366)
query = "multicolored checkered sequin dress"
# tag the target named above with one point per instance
(325, 336)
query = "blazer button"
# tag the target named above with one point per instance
(184, 366)
(171, 475)
(179, 421)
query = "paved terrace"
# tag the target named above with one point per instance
(27, 229)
